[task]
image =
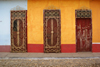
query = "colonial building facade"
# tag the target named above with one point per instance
(54, 26)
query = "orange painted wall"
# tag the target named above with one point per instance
(35, 19)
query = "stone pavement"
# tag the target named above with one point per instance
(80, 59)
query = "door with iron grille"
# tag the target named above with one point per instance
(18, 31)
(52, 33)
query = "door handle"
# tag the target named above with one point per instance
(52, 32)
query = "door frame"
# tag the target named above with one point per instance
(11, 18)
(45, 32)
(81, 16)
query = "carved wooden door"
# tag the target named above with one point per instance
(52, 33)
(18, 31)
(84, 34)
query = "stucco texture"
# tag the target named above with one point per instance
(68, 29)
(95, 7)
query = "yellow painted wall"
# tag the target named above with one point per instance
(95, 7)
(68, 30)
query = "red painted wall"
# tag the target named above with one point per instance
(95, 47)
(39, 48)
(68, 48)
(5, 48)
(35, 48)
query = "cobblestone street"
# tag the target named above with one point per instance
(45, 60)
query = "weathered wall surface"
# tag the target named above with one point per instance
(68, 29)
(5, 7)
(95, 7)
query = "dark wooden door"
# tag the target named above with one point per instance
(52, 33)
(83, 34)
(18, 31)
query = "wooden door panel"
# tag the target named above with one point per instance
(18, 31)
(52, 31)
(83, 34)
(49, 32)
